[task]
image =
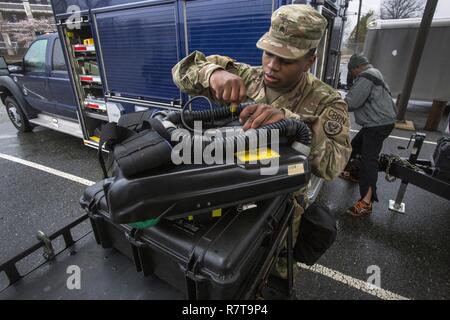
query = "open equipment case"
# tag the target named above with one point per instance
(219, 238)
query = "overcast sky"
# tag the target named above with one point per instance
(442, 9)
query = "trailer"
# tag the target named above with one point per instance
(432, 175)
(389, 44)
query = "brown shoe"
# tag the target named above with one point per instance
(346, 175)
(360, 209)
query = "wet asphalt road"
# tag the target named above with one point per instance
(412, 251)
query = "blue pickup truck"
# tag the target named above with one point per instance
(40, 91)
(40, 85)
(115, 56)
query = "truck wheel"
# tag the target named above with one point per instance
(16, 115)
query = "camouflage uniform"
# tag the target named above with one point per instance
(311, 99)
(295, 29)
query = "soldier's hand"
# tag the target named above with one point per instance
(256, 115)
(227, 87)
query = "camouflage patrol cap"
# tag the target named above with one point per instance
(294, 30)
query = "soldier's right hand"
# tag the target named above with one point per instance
(227, 87)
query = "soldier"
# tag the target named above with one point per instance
(281, 88)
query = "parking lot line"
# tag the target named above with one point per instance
(400, 138)
(353, 282)
(8, 136)
(47, 169)
(335, 275)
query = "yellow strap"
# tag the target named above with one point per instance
(258, 154)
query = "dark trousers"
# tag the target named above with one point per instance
(366, 148)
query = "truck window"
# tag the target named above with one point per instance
(34, 60)
(58, 64)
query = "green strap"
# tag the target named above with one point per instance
(144, 224)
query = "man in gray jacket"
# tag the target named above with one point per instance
(369, 98)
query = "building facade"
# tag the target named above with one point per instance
(18, 10)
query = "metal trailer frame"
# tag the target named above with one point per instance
(408, 171)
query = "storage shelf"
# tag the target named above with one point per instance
(94, 115)
(85, 58)
(95, 104)
(89, 78)
(84, 48)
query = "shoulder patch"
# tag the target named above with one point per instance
(336, 116)
(332, 127)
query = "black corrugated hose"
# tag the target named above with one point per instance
(203, 115)
(292, 129)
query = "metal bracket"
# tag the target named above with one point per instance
(49, 252)
(397, 207)
(246, 206)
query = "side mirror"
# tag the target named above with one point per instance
(15, 68)
(4, 71)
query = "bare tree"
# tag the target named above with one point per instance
(362, 31)
(402, 9)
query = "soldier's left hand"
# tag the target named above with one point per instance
(256, 115)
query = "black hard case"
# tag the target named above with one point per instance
(172, 191)
(210, 258)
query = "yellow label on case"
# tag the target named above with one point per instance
(296, 169)
(258, 154)
(217, 213)
(88, 42)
